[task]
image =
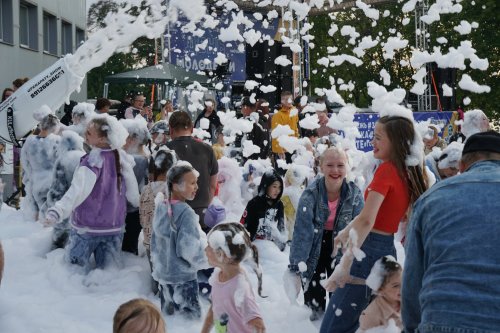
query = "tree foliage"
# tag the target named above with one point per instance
(141, 53)
(484, 40)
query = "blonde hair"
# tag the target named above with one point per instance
(333, 150)
(138, 316)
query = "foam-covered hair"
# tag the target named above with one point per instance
(174, 175)
(381, 270)
(84, 110)
(137, 128)
(111, 128)
(451, 155)
(42, 112)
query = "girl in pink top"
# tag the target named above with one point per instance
(233, 306)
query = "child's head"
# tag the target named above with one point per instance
(159, 132)
(138, 134)
(104, 131)
(271, 185)
(385, 278)
(82, 112)
(161, 162)
(230, 244)
(182, 181)
(138, 316)
(48, 122)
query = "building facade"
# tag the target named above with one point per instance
(34, 34)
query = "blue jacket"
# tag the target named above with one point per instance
(177, 244)
(312, 213)
(451, 279)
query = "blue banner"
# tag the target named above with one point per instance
(367, 124)
(197, 53)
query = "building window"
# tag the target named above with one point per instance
(66, 38)
(28, 25)
(6, 26)
(49, 33)
(80, 37)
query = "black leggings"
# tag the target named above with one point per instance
(315, 295)
(132, 230)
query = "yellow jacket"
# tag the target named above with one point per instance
(282, 117)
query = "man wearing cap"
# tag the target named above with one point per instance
(451, 278)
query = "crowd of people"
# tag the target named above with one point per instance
(99, 182)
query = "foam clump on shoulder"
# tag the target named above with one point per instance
(70, 140)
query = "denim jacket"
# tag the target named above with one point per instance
(451, 279)
(311, 216)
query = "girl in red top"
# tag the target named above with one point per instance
(394, 188)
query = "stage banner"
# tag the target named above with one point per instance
(198, 53)
(367, 125)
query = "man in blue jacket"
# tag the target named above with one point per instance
(451, 279)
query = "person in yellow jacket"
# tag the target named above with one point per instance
(286, 115)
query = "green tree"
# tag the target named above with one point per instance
(142, 54)
(483, 40)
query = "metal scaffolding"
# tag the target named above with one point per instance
(424, 101)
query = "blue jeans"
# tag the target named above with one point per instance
(106, 249)
(430, 328)
(346, 304)
(181, 297)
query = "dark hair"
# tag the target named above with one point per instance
(175, 174)
(391, 267)
(286, 93)
(180, 120)
(5, 91)
(161, 163)
(401, 134)
(19, 82)
(238, 250)
(101, 103)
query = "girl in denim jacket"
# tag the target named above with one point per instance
(178, 243)
(324, 209)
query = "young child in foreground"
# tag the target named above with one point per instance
(385, 309)
(177, 243)
(233, 306)
(138, 316)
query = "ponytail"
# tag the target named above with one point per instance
(118, 169)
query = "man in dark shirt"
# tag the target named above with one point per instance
(200, 155)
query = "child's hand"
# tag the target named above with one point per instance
(258, 325)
